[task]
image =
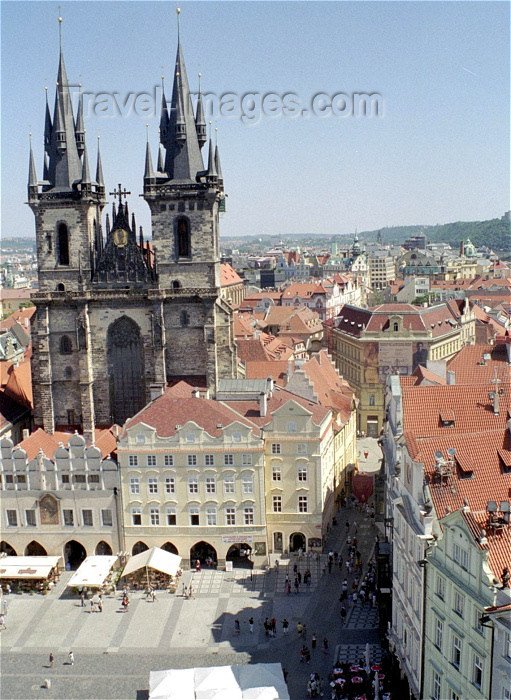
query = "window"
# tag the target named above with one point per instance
(191, 460)
(460, 556)
(185, 318)
(210, 484)
(459, 603)
(246, 460)
(190, 437)
(247, 484)
(396, 327)
(63, 244)
(87, 517)
(68, 373)
(275, 448)
(236, 437)
(154, 516)
(136, 516)
(291, 427)
(276, 474)
(230, 515)
(151, 460)
(209, 460)
(453, 695)
(30, 518)
(248, 516)
(228, 460)
(170, 484)
(134, 485)
(210, 516)
(302, 473)
(21, 479)
(152, 485)
(456, 652)
(171, 516)
(301, 448)
(440, 587)
(66, 347)
(133, 461)
(193, 484)
(477, 671)
(439, 632)
(79, 478)
(69, 519)
(93, 478)
(184, 249)
(437, 686)
(106, 517)
(371, 399)
(277, 504)
(229, 484)
(194, 516)
(303, 504)
(168, 460)
(140, 439)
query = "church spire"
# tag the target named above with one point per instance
(164, 118)
(160, 166)
(218, 167)
(86, 180)
(80, 128)
(64, 167)
(183, 157)
(149, 171)
(32, 175)
(47, 125)
(99, 170)
(211, 173)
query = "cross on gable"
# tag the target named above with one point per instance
(120, 193)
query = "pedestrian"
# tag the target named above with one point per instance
(185, 590)
(343, 614)
(251, 625)
(92, 606)
(52, 659)
(314, 640)
(304, 631)
(299, 577)
(153, 595)
(347, 526)
(277, 566)
(285, 626)
(299, 628)
(237, 628)
(100, 606)
(82, 600)
(267, 626)
(190, 591)
(288, 588)
(71, 658)
(325, 645)
(330, 564)
(273, 623)
(295, 568)
(297, 586)
(2, 622)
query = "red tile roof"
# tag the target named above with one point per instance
(228, 276)
(468, 366)
(40, 440)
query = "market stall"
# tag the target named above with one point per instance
(154, 568)
(94, 572)
(29, 574)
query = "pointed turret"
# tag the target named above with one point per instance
(64, 168)
(32, 175)
(183, 156)
(46, 169)
(86, 180)
(218, 167)
(47, 126)
(99, 170)
(164, 118)
(149, 172)
(80, 128)
(211, 173)
(160, 166)
(200, 122)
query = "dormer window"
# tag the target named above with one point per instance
(395, 327)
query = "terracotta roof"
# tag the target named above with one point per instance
(330, 388)
(21, 316)
(270, 368)
(423, 374)
(468, 368)
(228, 275)
(21, 293)
(303, 290)
(19, 383)
(172, 409)
(40, 440)
(251, 349)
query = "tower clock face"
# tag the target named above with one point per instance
(120, 237)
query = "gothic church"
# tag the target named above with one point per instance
(119, 318)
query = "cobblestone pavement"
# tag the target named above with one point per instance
(115, 651)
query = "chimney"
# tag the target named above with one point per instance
(451, 377)
(196, 393)
(263, 404)
(289, 368)
(269, 384)
(26, 433)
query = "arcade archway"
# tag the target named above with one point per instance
(296, 542)
(203, 552)
(103, 548)
(169, 547)
(34, 549)
(139, 547)
(74, 554)
(240, 555)
(6, 548)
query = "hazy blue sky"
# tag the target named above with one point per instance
(439, 153)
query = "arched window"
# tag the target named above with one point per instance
(176, 284)
(184, 248)
(68, 373)
(66, 347)
(61, 287)
(396, 327)
(185, 318)
(63, 241)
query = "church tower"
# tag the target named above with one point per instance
(185, 197)
(119, 318)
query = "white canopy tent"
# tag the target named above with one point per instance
(154, 558)
(93, 571)
(251, 682)
(27, 567)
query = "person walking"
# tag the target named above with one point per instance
(343, 615)
(251, 625)
(237, 628)
(273, 623)
(52, 659)
(71, 658)
(82, 600)
(285, 626)
(3, 626)
(325, 646)
(314, 640)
